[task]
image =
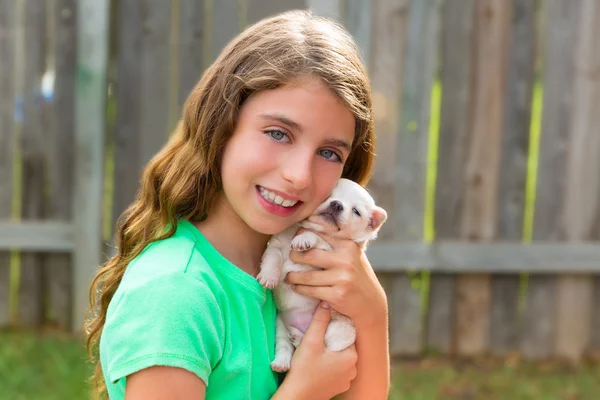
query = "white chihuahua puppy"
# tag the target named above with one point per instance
(349, 213)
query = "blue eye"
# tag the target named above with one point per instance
(277, 135)
(355, 211)
(330, 155)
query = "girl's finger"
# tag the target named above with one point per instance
(316, 330)
(317, 257)
(313, 278)
(323, 293)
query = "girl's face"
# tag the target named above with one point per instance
(286, 155)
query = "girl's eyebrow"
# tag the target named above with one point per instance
(338, 143)
(296, 126)
(284, 120)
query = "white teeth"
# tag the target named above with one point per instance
(275, 198)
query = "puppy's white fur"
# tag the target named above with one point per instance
(349, 213)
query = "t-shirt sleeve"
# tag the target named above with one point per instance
(170, 321)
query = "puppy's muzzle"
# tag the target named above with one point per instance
(335, 208)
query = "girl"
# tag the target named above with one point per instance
(280, 116)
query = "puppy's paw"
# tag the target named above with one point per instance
(296, 336)
(267, 278)
(281, 363)
(339, 335)
(304, 241)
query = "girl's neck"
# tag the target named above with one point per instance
(235, 240)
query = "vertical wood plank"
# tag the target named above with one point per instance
(539, 320)
(30, 304)
(191, 50)
(224, 20)
(90, 112)
(456, 47)
(513, 170)
(127, 158)
(479, 215)
(154, 77)
(358, 18)
(259, 9)
(386, 66)
(60, 131)
(420, 66)
(575, 293)
(7, 141)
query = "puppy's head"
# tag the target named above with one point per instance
(349, 213)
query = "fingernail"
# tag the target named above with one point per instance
(293, 287)
(325, 304)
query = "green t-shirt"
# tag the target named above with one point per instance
(182, 304)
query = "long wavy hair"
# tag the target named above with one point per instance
(183, 179)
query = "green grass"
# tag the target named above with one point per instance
(55, 366)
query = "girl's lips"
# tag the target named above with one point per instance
(275, 209)
(283, 195)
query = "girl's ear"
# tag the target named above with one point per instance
(378, 217)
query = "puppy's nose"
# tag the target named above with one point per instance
(336, 206)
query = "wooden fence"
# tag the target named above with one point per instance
(488, 151)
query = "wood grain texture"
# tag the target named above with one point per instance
(90, 111)
(561, 18)
(127, 155)
(513, 170)
(259, 9)
(191, 47)
(385, 41)
(457, 27)
(479, 216)
(582, 200)
(57, 269)
(33, 142)
(7, 140)
(420, 68)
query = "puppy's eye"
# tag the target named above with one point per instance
(355, 211)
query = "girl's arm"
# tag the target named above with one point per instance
(164, 383)
(350, 285)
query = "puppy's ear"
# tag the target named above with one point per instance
(378, 217)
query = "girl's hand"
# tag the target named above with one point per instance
(317, 372)
(347, 281)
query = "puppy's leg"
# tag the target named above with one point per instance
(296, 336)
(309, 240)
(340, 333)
(270, 267)
(283, 348)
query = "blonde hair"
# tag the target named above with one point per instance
(183, 179)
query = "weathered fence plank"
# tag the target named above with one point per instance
(60, 131)
(30, 304)
(259, 9)
(473, 292)
(127, 158)
(224, 20)
(456, 47)
(358, 19)
(7, 140)
(420, 66)
(154, 78)
(588, 73)
(191, 47)
(513, 170)
(575, 293)
(540, 310)
(90, 112)
(386, 67)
